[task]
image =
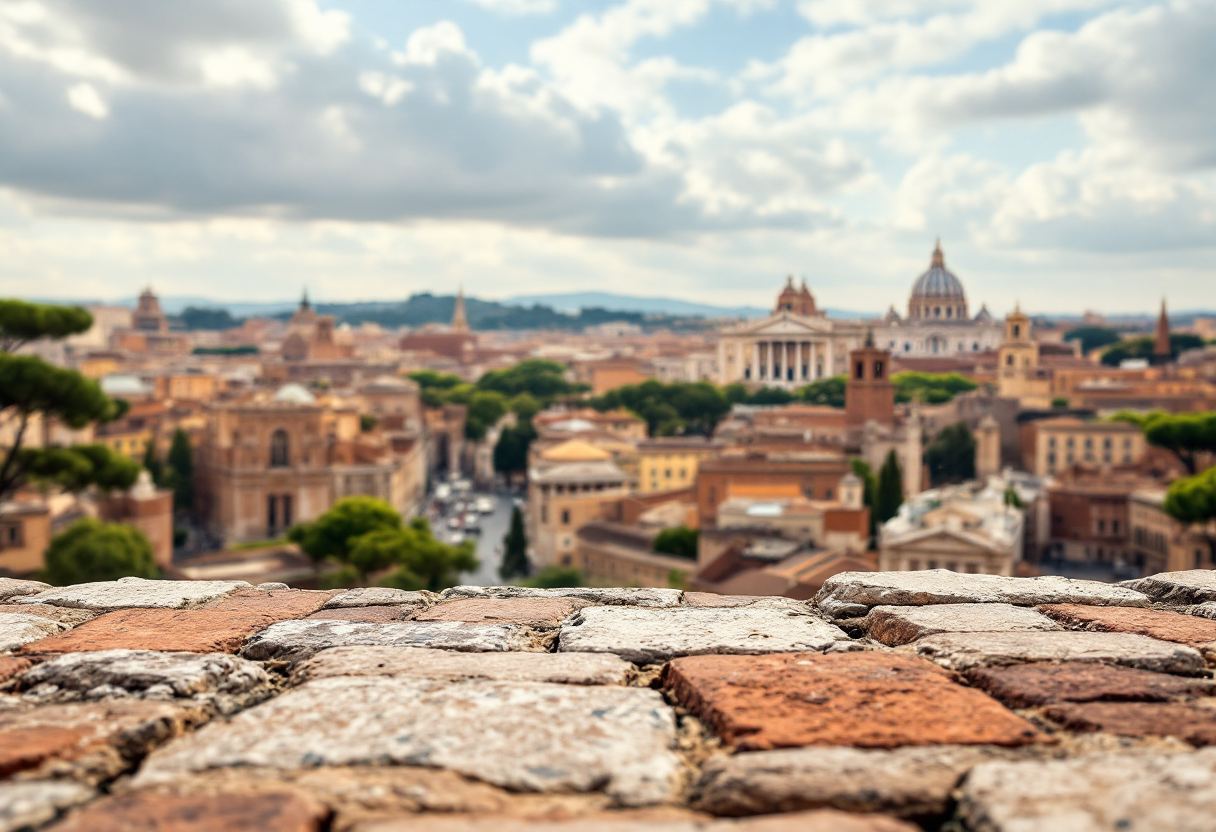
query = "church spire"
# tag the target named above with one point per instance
(304, 304)
(1162, 350)
(938, 258)
(459, 322)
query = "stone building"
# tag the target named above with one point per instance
(623, 555)
(938, 321)
(25, 532)
(310, 337)
(568, 486)
(1158, 542)
(147, 508)
(777, 475)
(671, 463)
(1050, 446)
(1019, 375)
(1090, 510)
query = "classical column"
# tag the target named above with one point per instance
(755, 359)
(772, 360)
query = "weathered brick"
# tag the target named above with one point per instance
(1043, 683)
(1160, 624)
(818, 821)
(625, 597)
(1139, 719)
(963, 651)
(531, 612)
(135, 593)
(186, 631)
(92, 741)
(17, 629)
(646, 636)
(296, 640)
(416, 662)
(1190, 586)
(374, 596)
(278, 605)
(901, 625)
(227, 812)
(31, 803)
(914, 782)
(11, 666)
(851, 594)
(519, 735)
(709, 599)
(870, 700)
(380, 614)
(64, 615)
(1094, 793)
(16, 587)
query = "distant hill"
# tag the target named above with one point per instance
(657, 306)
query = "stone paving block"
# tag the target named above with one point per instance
(1191, 724)
(11, 666)
(30, 804)
(229, 812)
(915, 782)
(1190, 586)
(142, 674)
(1160, 624)
(380, 614)
(612, 596)
(519, 735)
(91, 741)
(375, 596)
(531, 612)
(817, 821)
(900, 625)
(869, 700)
(710, 599)
(647, 636)
(64, 615)
(851, 594)
(1205, 610)
(293, 641)
(11, 588)
(1095, 793)
(17, 629)
(417, 662)
(1044, 683)
(963, 651)
(135, 593)
(184, 631)
(279, 605)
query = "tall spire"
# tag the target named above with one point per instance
(459, 322)
(938, 258)
(304, 304)
(1162, 351)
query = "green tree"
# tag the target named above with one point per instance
(511, 452)
(1142, 347)
(1059, 403)
(1186, 435)
(863, 471)
(22, 323)
(1192, 501)
(828, 392)
(543, 380)
(930, 388)
(333, 534)
(90, 550)
(890, 494)
(555, 577)
(515, 550)
(194, 317)
(680, 541)
(951, 456)
(426, 562)
(1092, 337)
(152, 463)
(1011, 498)
(367, 422)
(181, 470)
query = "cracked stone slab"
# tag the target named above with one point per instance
(817, 821)
(31, 803)
(295, 640)
(915, 782)
(142, 674)
(16, 587)
(1096, 793)
(134, 593)
(64, 615)
(964, 651)
(624, 597)
(851, 594)
(649, 636)
(900, 625)
(542, 613)
(711, 599)
(1205, 610)
(421, 663)
(227, 812)
(520, 735)
(380, 596)
(1045, 683)
(1190, 586)
(17, 629)
(91, 741)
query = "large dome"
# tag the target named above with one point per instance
(938, 294)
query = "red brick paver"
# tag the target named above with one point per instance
(1139, 719)
(10, 666)
(227, 812)
(534, 612)
(1167, 626)
(191, 631)
(1030, 685)
(280, 603)
(870, 700)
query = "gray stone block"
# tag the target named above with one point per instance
(963, 651)
(134, 593)
(421, 663)
(17, 629)
(625, 597)
(16, 587)
(30, 804)
(142, 674)
(379, 596)
(1190, 586)
(900, 625)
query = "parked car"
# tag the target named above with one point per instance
(454, 521)
(443, 492)
(484, 505)
(457, 538)
(472, 523)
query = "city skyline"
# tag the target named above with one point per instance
(699, 149)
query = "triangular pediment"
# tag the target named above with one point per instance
(779, 325)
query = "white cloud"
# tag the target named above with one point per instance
(86, 99)
(428, 45)
(517, 7)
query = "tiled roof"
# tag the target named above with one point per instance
(890, 702)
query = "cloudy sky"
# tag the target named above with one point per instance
(1064, 150)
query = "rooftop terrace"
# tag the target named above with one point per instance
(892, 701)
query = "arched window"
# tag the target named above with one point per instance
(279, 455)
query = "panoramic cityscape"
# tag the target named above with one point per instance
(660, 414)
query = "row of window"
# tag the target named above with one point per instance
(951, 565)
(1107, 442)
(1070, 458)
(278, 513)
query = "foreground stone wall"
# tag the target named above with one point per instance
(892, 701)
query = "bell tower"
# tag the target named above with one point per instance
(869, 393)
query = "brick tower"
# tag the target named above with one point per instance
(869, 393)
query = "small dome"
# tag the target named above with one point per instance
(573, 425)
(294, 394)
(575, 450)
(124, 385)
(937, 293)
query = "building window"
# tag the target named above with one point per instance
(544, 514)
(565, 517)
(1051, 442)
(859, 372)
(279, 456)
(272, 515)
(286, 510)
(1009, 360)
(1017, 331)
(878, 369)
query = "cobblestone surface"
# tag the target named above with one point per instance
(947, 703)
